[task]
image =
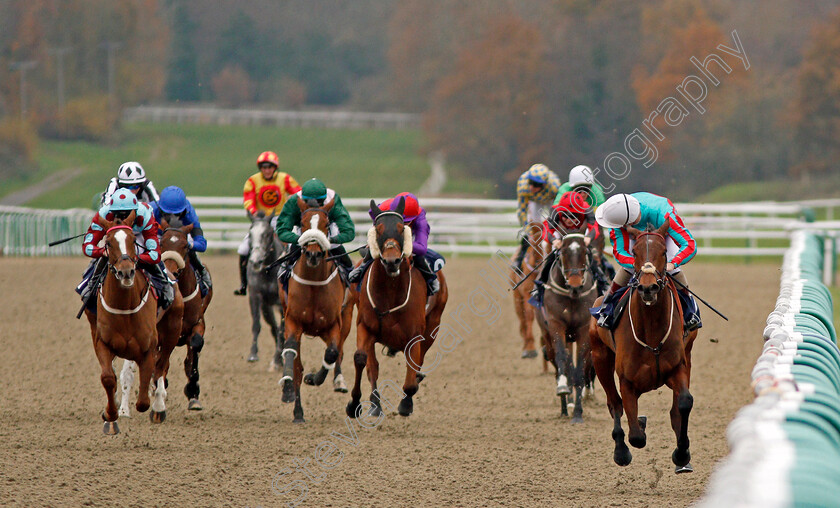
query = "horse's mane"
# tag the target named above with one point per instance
(174, 221)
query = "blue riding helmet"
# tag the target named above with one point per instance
(172, 200)
(123, 200)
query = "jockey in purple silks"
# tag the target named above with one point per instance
(415, 218)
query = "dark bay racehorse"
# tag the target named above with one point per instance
(126, 325)
(647, 349)
(175, 254)
(263, 289)
(314, 305)
(564, 319)
(392, 310)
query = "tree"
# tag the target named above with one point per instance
(486, 114)
(181, 72)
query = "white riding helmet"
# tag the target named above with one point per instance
(618, 211)
(581, 175)
(131, 173)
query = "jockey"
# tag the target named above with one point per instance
(645, 208)
(415, 218)
(265, 192)
(174, 203)
(535, 189)
(341, 229)
(582, 180)
(145, 229)
(569, 214)
(131, 176)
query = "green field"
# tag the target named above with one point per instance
(215, 161)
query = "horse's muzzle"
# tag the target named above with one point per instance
(313, 259)
(649, 293)
(125, 276)
(392, 266)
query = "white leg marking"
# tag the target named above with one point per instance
(159, 403)
(127, 382)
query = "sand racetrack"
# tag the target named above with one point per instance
(486, 429)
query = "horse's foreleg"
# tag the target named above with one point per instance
(630, 401)
(109, 383)
(557, 336)
(298, 412)
(126, 383)
(579, 371)
(146, 367)
(406, 406)
(254, 301)
(192, 389)
(268, 315)
(279, 340)
(331, 338)
(359, 361)
(373, 376)
(680, 409)
(603, 359)
(291, 349)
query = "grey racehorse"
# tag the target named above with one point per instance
(263, 295)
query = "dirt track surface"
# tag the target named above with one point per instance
(486, 430)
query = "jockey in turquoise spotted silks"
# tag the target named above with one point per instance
(414, 216)
(145, 229)
(535, 192)
(642, 208)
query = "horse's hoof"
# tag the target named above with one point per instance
(563, 386)
(680, 458)
(406, 407)
(374, 411)
(299, 420)
(688, 468)
(420, 377)
(623, 457)
(195, 405)
(288, 391)
(352, 408)
(643, 422)
(637, 441)
(253, 358)
(529, 353)
(309, 379)
(577, 419)
(157, 416)
(110, 428)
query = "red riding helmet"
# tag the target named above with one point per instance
(412, 206)
(269, 157)
(571, 205)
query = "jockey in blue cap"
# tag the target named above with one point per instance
(173, 203)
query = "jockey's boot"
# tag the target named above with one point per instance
(600, 277)
(539, 284)
(286, 267)
(520, 254)
(92, 278)
(243, 276)
(158, 278)
(342, 261)
(432, 282)
(605, 313)
(356, 274)
(691, 312)
(200, 270)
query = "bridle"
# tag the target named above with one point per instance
(307, 282)
(563, 289)
(123, 257)
(376, 222)
(176, 273)
(648, 267)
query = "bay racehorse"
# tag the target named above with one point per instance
(126, 324)
(564, 319)
(263, 289)
(647, 349)
(524, 311)
(393, 310)
(315, 306)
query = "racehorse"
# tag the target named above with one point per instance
(647, 349)
(564, 318)
(315, 305)
(175, 254)
(524, 311)
(263, 288)
(126, 325)
(393, 310)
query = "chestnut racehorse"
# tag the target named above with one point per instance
(175, 250)
(314, 305)
(524, 311)
(564, 318)
(126, 325)
(393, 310)
(647, 349)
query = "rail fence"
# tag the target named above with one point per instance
(785, 446)
(459, 226)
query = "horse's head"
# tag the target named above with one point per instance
(174, 244)
(389, 239)
(262, 238)
(314, 239)
(574, 260)
(649, 260)
(119, 244)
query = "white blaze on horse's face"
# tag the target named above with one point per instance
(121, 237)
(125, 275)
(257, 249)
(313, 222)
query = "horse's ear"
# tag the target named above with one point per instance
(664, 228)
(163, 222)
(250, 215)
(329, 206)
(130, 219)
(376, 210)
(301, 204)
(633, 231)
(187, 229)
(102, 221)
(401, 206)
